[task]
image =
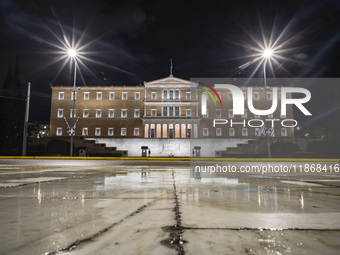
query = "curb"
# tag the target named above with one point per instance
(174, 159)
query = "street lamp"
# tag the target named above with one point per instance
(266, 55)
(73, 55)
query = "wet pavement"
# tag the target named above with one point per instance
(109, 208)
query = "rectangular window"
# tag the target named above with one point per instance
(123, 132)
(257, 131)
(99, 95)
(177, 94)
(244, 114)
(188, 113)
(86, 95)
(283, 116)
(230, 96)
(171, 94)
(188, 96)
(256, 96)
(110, 131)
(98, 113)
(124, 95)
(111, 96)
(218, 114)
(75, 113)
(136, 131)
(256, 116)
(244, 132)
(73, 95)
(136, 113)
(283, 131)
(153, 95)
(153, 112)
(270, 116)
(205, 131)
(230, 113)
(231, 132)
(171, 111)
(165, 111)
(124, 113)
(219, 94)
(59, 131)
(98, 131)
(268, 95)
(85, 131)
(206, 115)
(111, 113)
(137, 95)
(60, 113)
(61, 96)
(189, 131)
(177, 113)
(218, 131)
(165, 94)
(85, 113)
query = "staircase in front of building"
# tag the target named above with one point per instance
(89, 148)
(254, 148)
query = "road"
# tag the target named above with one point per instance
(116, 207)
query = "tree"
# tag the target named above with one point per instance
(12, 106)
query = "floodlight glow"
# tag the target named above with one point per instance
(72, 53)
(267, 53)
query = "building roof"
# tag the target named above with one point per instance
(169, 81)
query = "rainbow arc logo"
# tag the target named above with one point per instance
(209, 93)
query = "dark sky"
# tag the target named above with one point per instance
(129, 42)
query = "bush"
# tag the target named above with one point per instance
(58, 148)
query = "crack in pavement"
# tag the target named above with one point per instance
(175, 239)
(263, 229)
(76, 243)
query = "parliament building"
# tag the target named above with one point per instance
(163, 114)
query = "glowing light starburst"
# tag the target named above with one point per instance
(71, 47)
(72, 53)
(267, 53)
(272, 50)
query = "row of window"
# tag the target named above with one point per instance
(166, 94)
(99, 95)
(218, 114)
(99, 113)
(171, 94)
(166, 111)
(256, 95)
(98, 131)
(244, 132)
(123, 131)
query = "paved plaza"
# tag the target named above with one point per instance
(116, 207)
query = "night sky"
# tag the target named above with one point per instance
(128, 42)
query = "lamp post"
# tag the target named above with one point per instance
(73, 54)
(24, 141)
(266, 55)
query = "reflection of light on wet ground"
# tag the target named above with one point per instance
(132, 204)
(301, 183)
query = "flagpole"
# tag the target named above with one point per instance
(24, 141)
(171, 67)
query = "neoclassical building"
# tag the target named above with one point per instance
(165, 115)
